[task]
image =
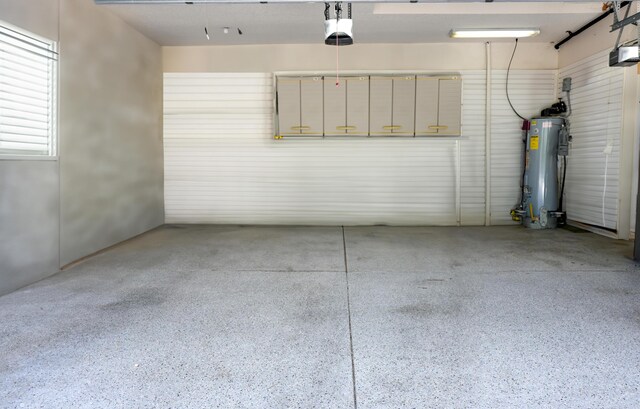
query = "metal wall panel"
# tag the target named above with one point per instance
(472, 148)
(596, 122)
(222, 164)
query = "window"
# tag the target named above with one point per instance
(28, 96)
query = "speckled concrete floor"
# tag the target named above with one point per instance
(273, 317)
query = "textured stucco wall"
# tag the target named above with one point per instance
(107, 183)
(28, 222)
(29, 200)
(111, 162)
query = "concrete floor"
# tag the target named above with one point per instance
(278, 317)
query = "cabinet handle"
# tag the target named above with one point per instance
(438, 127)
(392, 127)
(346, 128)
(298, 128)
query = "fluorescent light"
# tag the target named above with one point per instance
(494, 33)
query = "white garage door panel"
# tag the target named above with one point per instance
(596, 121)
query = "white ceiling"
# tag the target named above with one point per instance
(302, 23)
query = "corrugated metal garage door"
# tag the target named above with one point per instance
(596, 123)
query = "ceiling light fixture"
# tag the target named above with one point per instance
(225, 30)
(494, 33)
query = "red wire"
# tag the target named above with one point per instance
(337, 66)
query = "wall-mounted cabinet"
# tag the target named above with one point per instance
(438, 107)
(300, 108)
(392, 106)
(346, 107)
(369, 105)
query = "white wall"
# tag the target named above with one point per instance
(533, 86)
(109, 168)
(223, 166)
(38, 16)
(367, 57)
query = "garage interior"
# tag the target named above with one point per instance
(208, 204)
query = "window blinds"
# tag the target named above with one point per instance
(27, 93)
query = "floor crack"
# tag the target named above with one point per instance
(346, 276)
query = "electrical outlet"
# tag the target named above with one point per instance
(566, 84)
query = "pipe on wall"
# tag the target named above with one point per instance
(487, 139)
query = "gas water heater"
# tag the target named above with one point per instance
(547, 140)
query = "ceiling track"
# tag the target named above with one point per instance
(588, 25)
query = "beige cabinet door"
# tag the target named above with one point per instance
(357, 120)
(404, 103)
(335, 108)
(311, 106)
(288, 106)
(427, 89)
(380, 106)
(450, 106)
(438, 106)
